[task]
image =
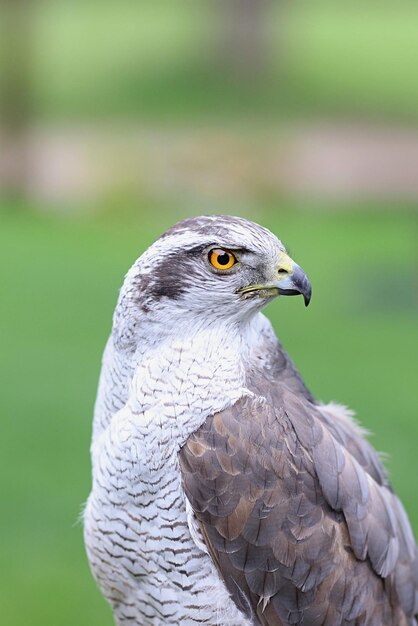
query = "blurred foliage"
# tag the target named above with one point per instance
(168, 59)
(357, 343)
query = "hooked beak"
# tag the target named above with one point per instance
(295, 283)
(289, 280)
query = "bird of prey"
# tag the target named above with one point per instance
(223, 492)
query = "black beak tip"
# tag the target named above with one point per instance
(307, 296)
(303, 284)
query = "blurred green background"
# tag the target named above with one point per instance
(119, 119)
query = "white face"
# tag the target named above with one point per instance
(200, 267)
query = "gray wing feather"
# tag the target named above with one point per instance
(300, 530)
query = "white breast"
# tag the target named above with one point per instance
(137, 533)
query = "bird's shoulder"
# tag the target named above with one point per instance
(298, 515)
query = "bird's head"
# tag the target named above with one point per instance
(210, 268)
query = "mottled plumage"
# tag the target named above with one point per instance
(223, 493)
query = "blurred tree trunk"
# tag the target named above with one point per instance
(15, 94)
(243, 44)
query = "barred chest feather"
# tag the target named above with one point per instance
(137, 526)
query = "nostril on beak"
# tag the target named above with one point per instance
(282, 271)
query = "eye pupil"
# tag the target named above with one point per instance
(223, 259)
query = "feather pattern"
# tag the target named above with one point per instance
(223, 493)
(295, 520)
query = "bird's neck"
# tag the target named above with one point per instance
(186, 377)
(178, 378)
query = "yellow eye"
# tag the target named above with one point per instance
(222, 259)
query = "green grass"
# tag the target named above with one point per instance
(357, 343)
(162, 59)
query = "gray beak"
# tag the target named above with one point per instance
(295, 283)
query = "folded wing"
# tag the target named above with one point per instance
(299, 517)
